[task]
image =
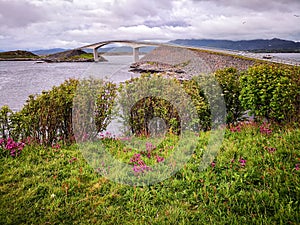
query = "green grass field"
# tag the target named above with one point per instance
(254, 180)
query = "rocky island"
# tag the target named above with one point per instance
(18, 56)
(65, 56)
(71, 56)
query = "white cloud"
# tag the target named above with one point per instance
(34, 24)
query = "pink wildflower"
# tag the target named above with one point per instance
(159, 159)
(243, 162)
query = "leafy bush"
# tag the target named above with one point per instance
(47, 118)
(193, 89)
(179, 105)
(228, 79)
(92, 108)
(272, 92)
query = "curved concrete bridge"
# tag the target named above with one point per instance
(136, 45)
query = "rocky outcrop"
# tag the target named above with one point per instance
(184, 63)
(18, 55)
(71, 56)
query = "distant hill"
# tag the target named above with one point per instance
(19, 54)
(258, 45)
(49, 51)
(71, 56)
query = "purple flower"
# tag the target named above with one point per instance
(72, 160)
(159, 159)
(235, 129)
(135, 158)
(213, 164)
(265, 129)
(297, 166)
(149, 155)
(271, 149)
(140, 168)
(243, 162)
(13, 147)
(56, 146)
(149, 146)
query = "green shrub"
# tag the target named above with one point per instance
(149, 97)
(228, 79)
(92, 109)
(47, 118)
(179, 104)
(271, 92)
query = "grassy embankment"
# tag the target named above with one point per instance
(254, 180)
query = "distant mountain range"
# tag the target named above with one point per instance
(258, 45)
(49, 51)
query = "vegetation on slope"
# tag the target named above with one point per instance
(45, 179)
(18, 55)
(254, 180)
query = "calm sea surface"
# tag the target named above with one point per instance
(18, 79)
(285, 56)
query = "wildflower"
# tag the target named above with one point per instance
(159, 159)
(56, 146)
(135, 158)
(265, 129)
(149, 146)
(13, 147)
(53, 195)
(107, 134)
(72, 160)
(235, 129)
(213, 164)
(297, 166)
(140, 168)
(243, 162)
(270, 149)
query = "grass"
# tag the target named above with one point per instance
(83, 56)
(57, 186)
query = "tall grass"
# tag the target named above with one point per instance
(254, 180)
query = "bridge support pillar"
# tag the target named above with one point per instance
(96, 56)
(136, 54)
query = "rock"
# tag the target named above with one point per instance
(72, 56)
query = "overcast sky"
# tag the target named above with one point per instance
(41, 24)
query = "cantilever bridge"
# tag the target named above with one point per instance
(136, 45)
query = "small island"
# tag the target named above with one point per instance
(65, 56)
(18, 56)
